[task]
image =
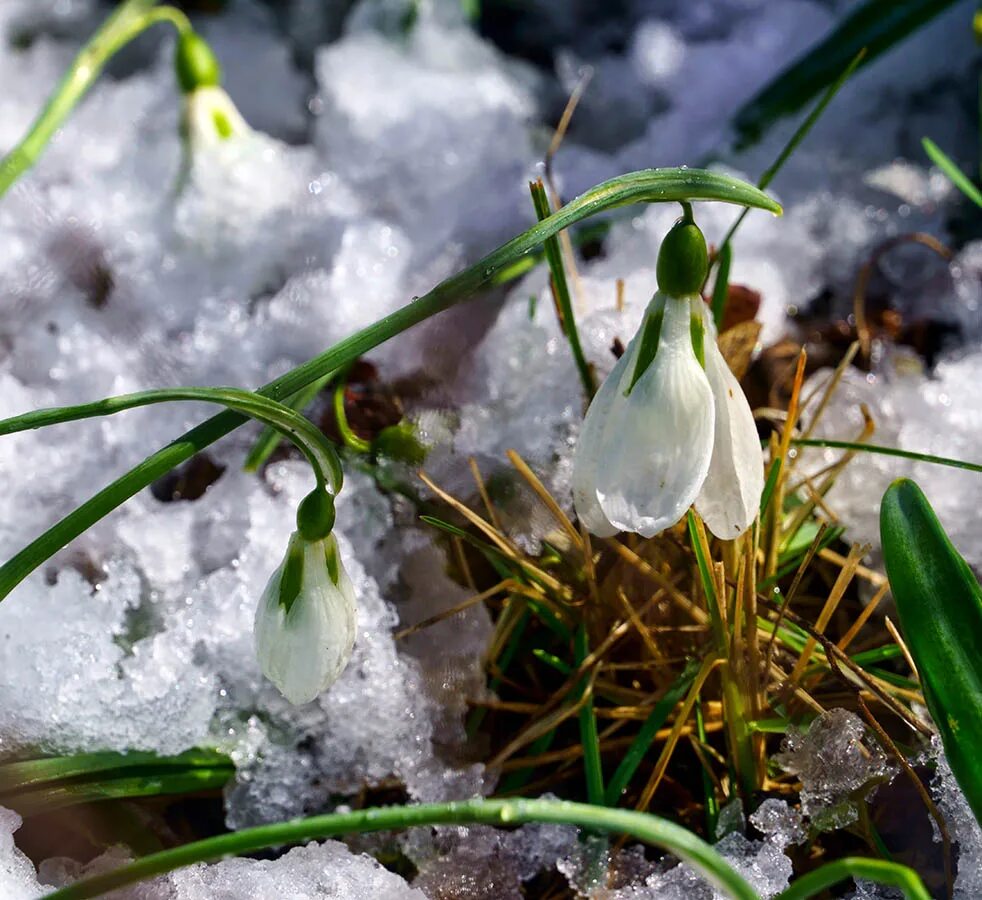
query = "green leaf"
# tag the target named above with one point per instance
(641, 826)
(42, 785)
(647, 186)
(955, 175)
(641, 744)
(876, 25)
(939, 602)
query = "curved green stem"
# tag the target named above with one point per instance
(877, 870)
(659, 832)
(359, 445)
(647, 186)
(128, 21)
(301, 431)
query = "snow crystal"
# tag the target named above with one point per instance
(837, 764)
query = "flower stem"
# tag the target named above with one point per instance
(651, 829)
(129, 20)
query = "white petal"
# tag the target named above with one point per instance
(203, 107)
(589, 455)
(730, 496)
(304, 651)
(657, 446)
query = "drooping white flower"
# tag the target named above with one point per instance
(670, 426)
(209, 116)
(645, 447)
(306, 620)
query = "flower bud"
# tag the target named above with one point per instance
(683, 260)
(306, 619)
(315, 515)
(195, 63)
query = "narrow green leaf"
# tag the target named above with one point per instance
(33, 772)
(955, 175)
(818, 880)
(876, 25)
(722, 285)
(554, 257)
(589, 737)
(641, 744)
(148, 784)
(890, 451)
(641, 826)
(939, 603)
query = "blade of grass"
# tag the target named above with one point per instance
(646, 735)
(801, 132)
(955, 175)
(878, 870)
(876, 25)
(642, 826)
(588, 725)
(30, 773)
(889, 451)
(150, 784)
(723, 259)
(560, 290)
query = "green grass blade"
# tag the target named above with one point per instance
(642, 742)
(878, 870)
(876, 25)
(890, 451)
(554, 257)
(939, 603)
(35, 772)
(721, 287)
(801, 132)
(955, 175)
(588, 726)
(149, 784)
(648, 186)
(653, 830)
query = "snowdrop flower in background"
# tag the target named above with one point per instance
(670, 426)
(209, 116)
(306, 620)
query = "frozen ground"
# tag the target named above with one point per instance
(384, 162)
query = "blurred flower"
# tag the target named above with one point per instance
(306, 620)
(209, 115)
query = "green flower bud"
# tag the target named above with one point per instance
(315, 515)
(195, 63)
(683, 260)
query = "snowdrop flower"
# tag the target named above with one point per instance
(670, 426)
(306, 620)
(209, 116)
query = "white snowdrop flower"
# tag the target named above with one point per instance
(307, 616)
(209, 115)
(670, 426)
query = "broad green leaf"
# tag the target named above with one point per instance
(939, 602)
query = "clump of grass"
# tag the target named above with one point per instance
(660, 675)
